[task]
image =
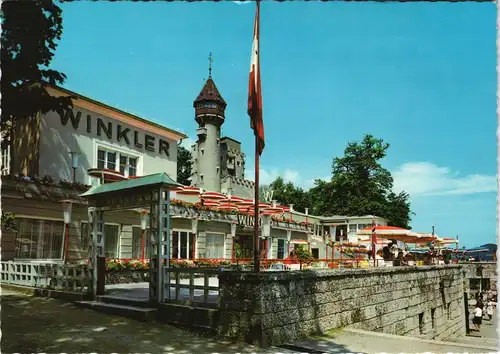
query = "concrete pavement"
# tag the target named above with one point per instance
(43, 325)
(358, 341)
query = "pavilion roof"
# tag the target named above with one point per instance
(154, 180)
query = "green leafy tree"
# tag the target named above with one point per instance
(302, 255)
(183, 166)
(361, 186)
(287, 193)
(30, 31)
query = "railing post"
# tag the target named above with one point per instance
(177, 287)
(206, 285)
(101, 276)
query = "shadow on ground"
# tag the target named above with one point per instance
(35, 324)
(32, 324)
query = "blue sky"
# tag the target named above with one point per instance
(419, 75)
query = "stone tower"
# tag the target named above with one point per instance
(209, 114)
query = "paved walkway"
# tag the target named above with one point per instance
(488, 328)
(45, 325)
(357, 341)
(32, 324)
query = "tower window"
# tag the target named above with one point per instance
(202, 151)
(201, 178)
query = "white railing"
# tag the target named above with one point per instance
(75, 278)
(193, 285)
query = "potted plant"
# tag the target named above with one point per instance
(302, 255)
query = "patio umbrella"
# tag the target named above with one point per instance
(187, 190)
(446, 241)
(213, 196)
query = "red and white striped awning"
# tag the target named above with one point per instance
(211, 203)
(212, 196)
(245, 202)
(385, 231)
(188, 190)
(227, 206)
(398, 233)
(232, 199)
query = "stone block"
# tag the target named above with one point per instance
(282, 307)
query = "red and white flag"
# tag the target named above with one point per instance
(254, 88)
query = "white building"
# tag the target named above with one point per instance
(112, 145)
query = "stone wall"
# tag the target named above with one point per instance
(478, 271)
(274, 308)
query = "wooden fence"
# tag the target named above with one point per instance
(198, 286)
(75, 278)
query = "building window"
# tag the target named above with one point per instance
(281, 249)
(137, 242)
(111, 237)
(182, 245)
(208, 105)
(214, 248)
(39, 239)
(118, 161)
(352, 228)
(111, 240)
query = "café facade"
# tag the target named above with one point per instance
(55, 158)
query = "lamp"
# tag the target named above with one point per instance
(266, 225)
(233, 235)
(144, 219)
(74, 163)
(194, 225)
(67, 211)
(233, 229)
(144, 225)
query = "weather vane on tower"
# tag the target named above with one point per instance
(210, 61)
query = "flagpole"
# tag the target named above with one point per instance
(256, 258)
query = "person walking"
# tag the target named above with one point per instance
(489, 309)
(478, 318)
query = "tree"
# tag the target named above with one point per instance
(183, 166)
(287, 193)
(302, 255)
(361, 186)
(30, 31)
